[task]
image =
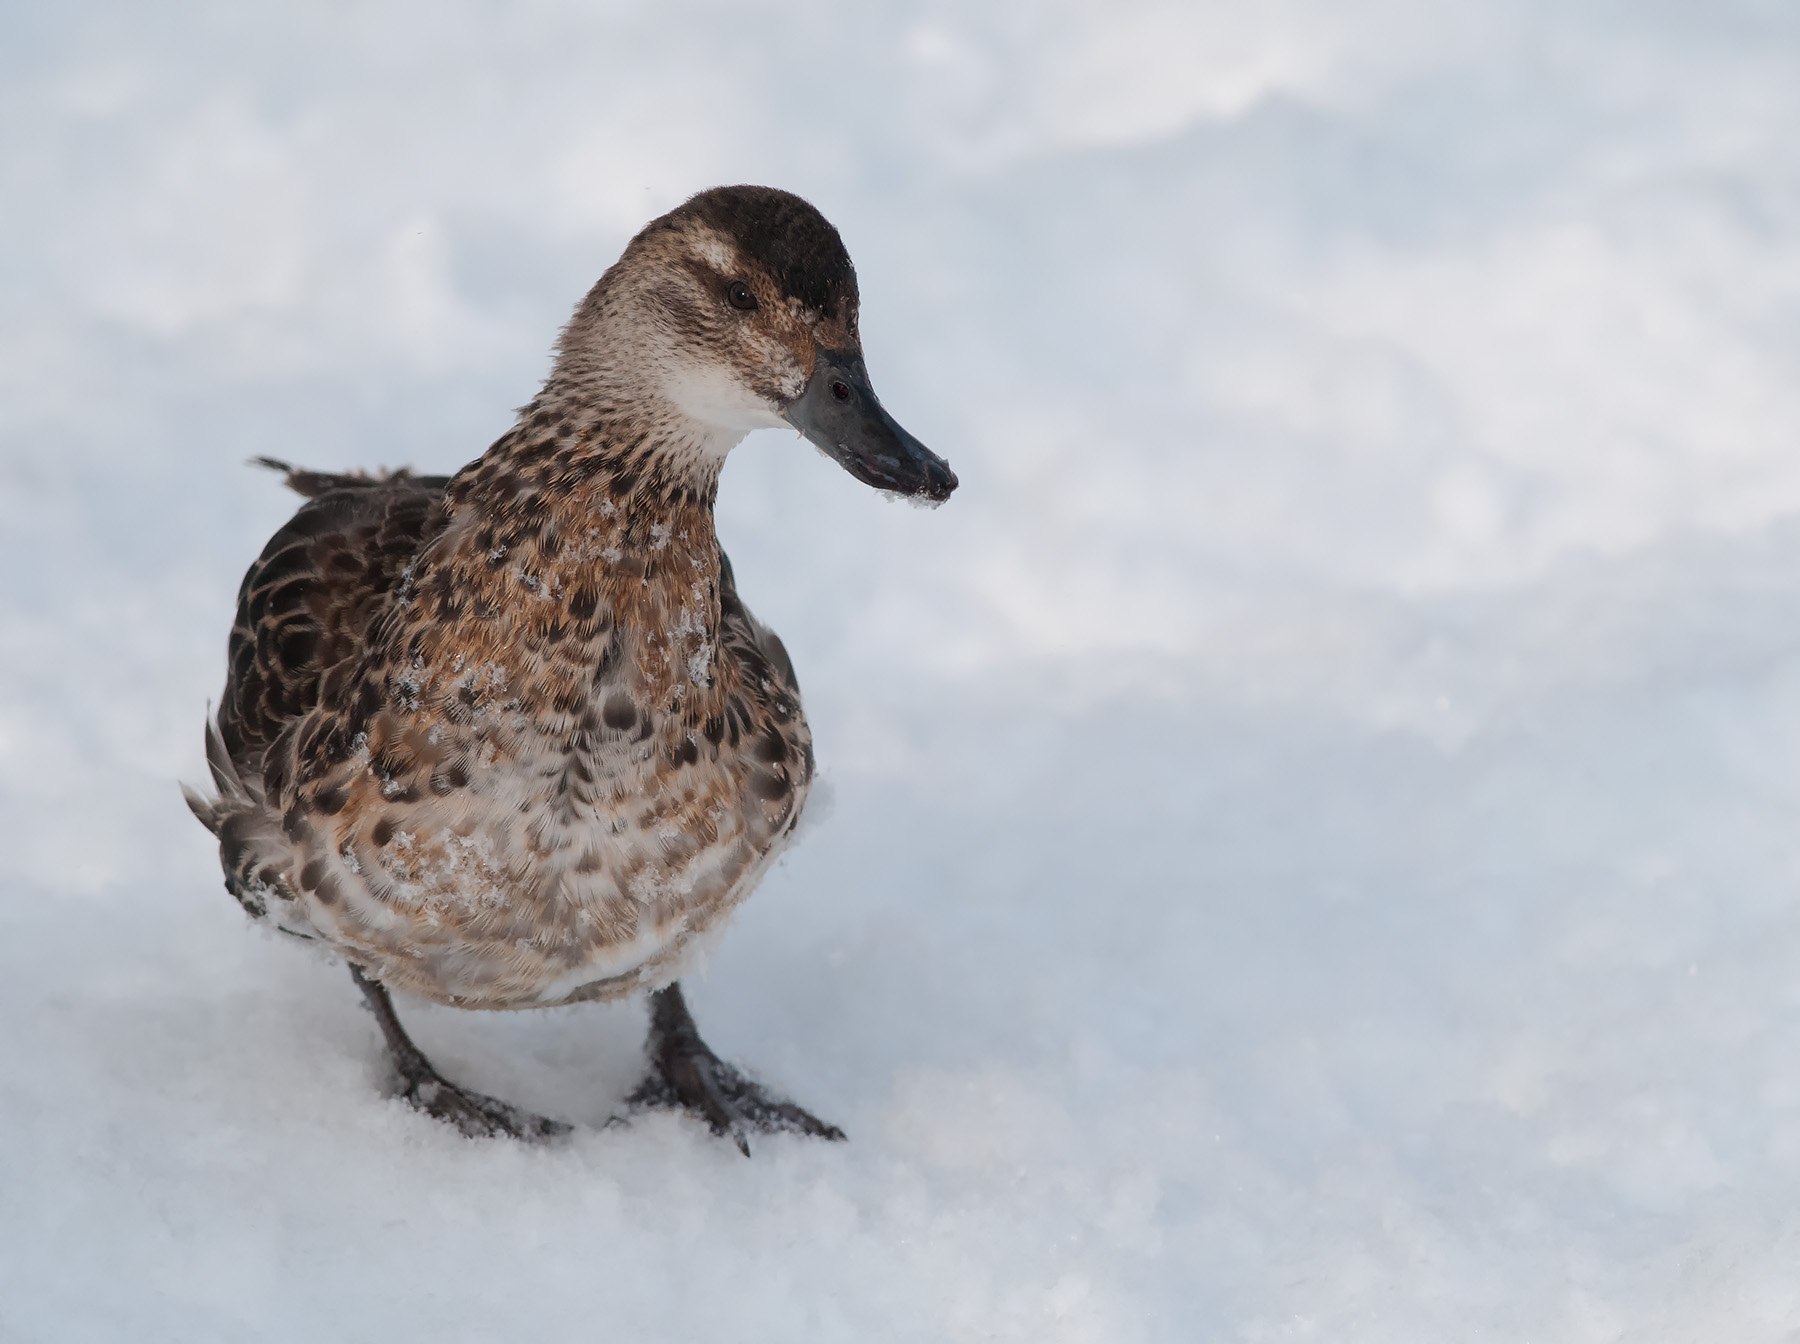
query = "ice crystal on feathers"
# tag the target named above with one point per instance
(407, 687)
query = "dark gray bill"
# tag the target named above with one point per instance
(838, 411)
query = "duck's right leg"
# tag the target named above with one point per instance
(475, 1114)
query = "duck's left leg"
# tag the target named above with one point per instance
(685, 1072)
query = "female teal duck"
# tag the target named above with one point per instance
(508, 738)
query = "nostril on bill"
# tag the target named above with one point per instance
(840, 391)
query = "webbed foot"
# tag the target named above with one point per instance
(474, 1113)
(685, 1072)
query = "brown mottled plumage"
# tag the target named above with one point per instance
(508, 738)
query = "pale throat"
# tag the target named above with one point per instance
(650, 394)
(718, 408)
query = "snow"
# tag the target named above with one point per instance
(1311, 851)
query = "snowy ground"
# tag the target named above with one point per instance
(1311, 848)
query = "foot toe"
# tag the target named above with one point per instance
(730, 1103)
(479, 1116)
(785, 1115)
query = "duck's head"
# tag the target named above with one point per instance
(738, 311)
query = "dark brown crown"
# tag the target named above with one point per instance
(787, 236)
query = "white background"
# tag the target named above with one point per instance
(1310, 850)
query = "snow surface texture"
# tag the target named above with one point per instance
(1313, 852)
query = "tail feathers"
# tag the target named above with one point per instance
(224, 769)
(233, 795)
(207, 812)
(252, 849)
(315, 483)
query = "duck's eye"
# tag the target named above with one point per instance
(740, 296)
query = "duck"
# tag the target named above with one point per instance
(509, 738)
